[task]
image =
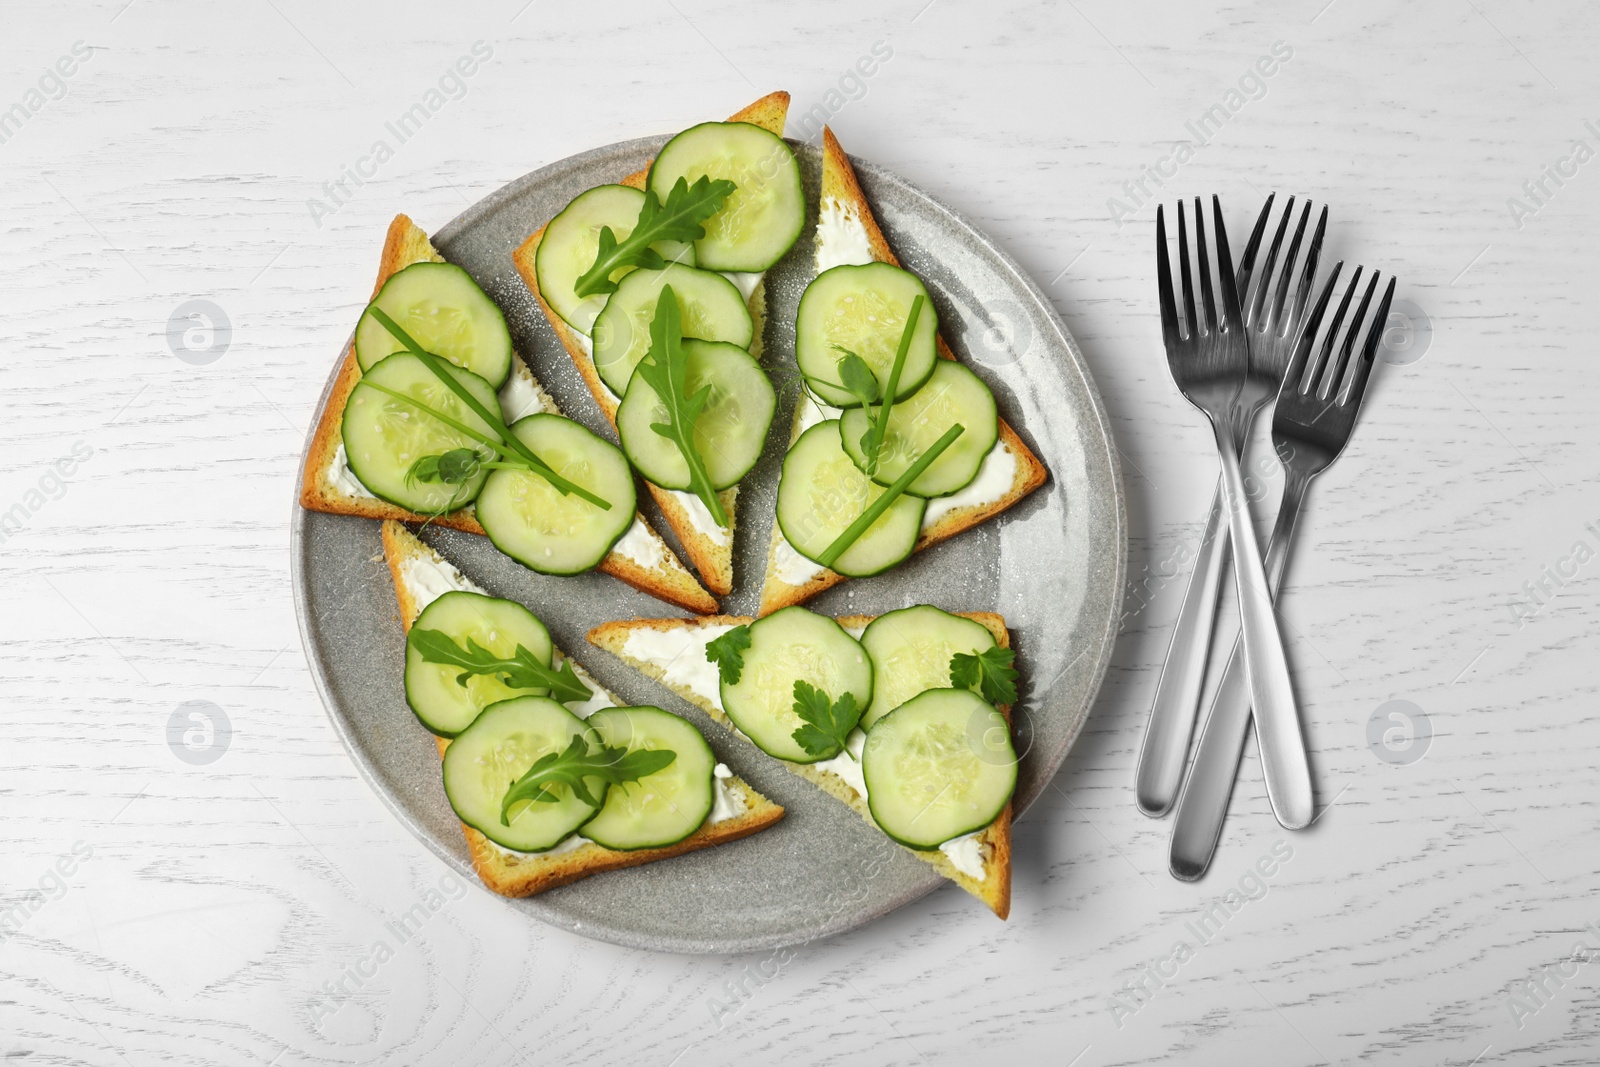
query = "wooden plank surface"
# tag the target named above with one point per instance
(211, 910)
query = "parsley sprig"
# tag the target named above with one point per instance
(827, 722)
(575, 766)
(990, 670)
(727, 652)
(521, 670)
(509, 449)
(665, 368)
(679, 219)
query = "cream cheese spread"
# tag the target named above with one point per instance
(641, 546)
(680, 653)
(841, 235)
(966, 854)
(700, 517)
(994, 480)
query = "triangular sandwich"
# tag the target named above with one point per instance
(641, 559)
(708, 545)
(847, 233)
(419, 575)
(673, 652)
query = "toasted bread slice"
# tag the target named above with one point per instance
(792, 579)
(994, 842)
(709, 547)
(327, 484)
(515, 874)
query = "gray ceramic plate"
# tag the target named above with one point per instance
(1053, 566)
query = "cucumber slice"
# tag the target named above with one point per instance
(863, 309)
(821, 492)
(711, 306)
(498, 748)
(911, 650)
(384, 437)
(659, 809)
(788, 646)
(952, 394)
(763, 217)
(529, 520)
(445, 706)
(572, 240)
(731, 429)
(939, 766)
(447, 313)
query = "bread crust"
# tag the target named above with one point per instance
(514, 874)
(994, 889)
(405, 244)
(839, 182)
(711, 558)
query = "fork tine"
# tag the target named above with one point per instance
(1318, 377)
(1308, 273)
(1169, 310)
(1230, 293)
(1375, 328)
(1294, 377)
(1205, 267)
(1247, 261)
(1333, 380)
(1258, 299)
(1275, 318)
(1183, 269)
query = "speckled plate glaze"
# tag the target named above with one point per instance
(1053, 565)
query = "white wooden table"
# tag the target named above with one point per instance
(180, 912)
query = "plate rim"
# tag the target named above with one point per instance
(1105, 639)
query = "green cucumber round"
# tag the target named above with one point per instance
(659, 809)
(764, 215)
(572, 241)
(447, 313)
(484, 761)
(730, 431)
(793, 645)
(529, 520)
(939, 766)
(712, 310)
(384, 437)
(863, 309)
(445, 706)
(911, 651)
(821, 492)
(951, 395)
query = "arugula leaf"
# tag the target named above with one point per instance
(727, 653)
(522, 671)
(990, 670)
(507, 445)
(679, 219)
(827, 724)
(665, 368)
(875, 510)
(613, 766)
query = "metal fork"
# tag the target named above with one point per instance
(1271, 335)
(1316, 412)
(1210, 366)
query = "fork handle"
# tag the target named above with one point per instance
(1177, 701)
(1204, 803)
(1283, 749)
